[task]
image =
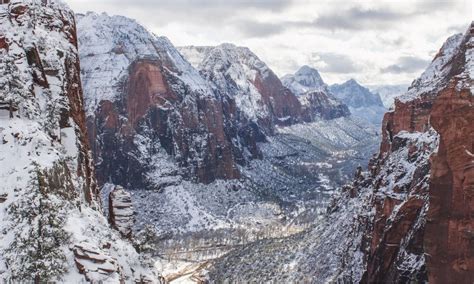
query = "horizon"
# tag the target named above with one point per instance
(374, 42)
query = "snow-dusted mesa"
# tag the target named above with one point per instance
(361, 102)
(51, 224)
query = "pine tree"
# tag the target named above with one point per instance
(36, 252)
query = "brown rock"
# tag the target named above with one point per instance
(3, 43)
(283, 104)
(448, 239)
(150, 103)
(95, 264)
(121, 212)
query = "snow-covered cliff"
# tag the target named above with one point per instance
(259, 94)
(51, 224)
(146, 102)
(407, 219)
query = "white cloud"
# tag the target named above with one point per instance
(345, 39)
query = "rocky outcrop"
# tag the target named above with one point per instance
(156, 104)
(96, 265)
(449, 235)
(49, 197)
(314, 95)
(421, 224)
(259, 94)
(320, 105)
(121, 211)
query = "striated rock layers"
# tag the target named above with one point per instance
(121, 211)
(147, 105)
(422, 224)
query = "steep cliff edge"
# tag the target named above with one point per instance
(146, 103)
(449, 236)
(409, 217)
(407, 234)
(51, 224)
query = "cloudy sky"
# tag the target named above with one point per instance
(375, 42)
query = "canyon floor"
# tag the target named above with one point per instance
(280, 196)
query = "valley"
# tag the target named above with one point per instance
(126, 159)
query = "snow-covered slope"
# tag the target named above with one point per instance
(389, 224)
(362, 103)
(437, 74)
(109, 45)
(51, 224)
(144, 101)
(306, 79)
(314, 94)
(238, 72)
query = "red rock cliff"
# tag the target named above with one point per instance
(422, 225)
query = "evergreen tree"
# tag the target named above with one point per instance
(36, 252)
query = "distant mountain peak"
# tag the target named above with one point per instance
(361, 101)
(309, 77)
(306, 79)
(305, 69)
(352, 81)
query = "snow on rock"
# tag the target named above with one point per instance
(306, 79)
(361, 102)
(314, 95)
(108, 45)
(238, 72)
(49, 200)
(121, 211)
(435, 76)
(95, 264)
(151, 103)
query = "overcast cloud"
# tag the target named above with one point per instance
(373, 41)
(407, 64)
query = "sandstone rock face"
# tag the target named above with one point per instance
(449, 237)
(156, 105)
(96, 265)
(48, 193)
(420, 230)
(259, 94)
(317, 105)
(66, 122)
(121, 211)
